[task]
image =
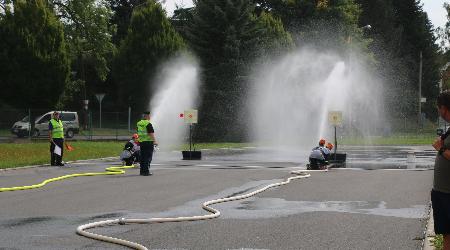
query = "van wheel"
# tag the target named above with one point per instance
(69, 133)
(35, 133)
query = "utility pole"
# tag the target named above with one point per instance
(420, 91)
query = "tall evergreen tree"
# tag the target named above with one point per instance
(150, 40)
(34, 65)
(122, 10)
(223, 34)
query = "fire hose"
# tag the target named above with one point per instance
(81, 230)
(108, 171)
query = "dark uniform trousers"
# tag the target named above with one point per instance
(54, 158)
(146, 156)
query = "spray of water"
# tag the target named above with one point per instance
(291, 98)
(178, 86)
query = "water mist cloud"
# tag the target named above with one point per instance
(177, 90)
(292, 95)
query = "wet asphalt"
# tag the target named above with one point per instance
(379, 201)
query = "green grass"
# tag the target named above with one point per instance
(438, 242)
(397, 139)
(35, 153)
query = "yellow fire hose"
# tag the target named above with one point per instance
(214, 214)
(109, 171)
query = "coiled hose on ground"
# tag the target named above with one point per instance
(81, 230)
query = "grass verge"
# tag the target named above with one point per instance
(438, 242)
(36, 153)
(397, 139)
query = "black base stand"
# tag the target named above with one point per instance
(192, 155)
(337, 160)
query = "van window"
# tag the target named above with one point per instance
(45, 119)
(67, 117)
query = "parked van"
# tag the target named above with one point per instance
(69, 119)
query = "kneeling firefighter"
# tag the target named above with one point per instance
(318, 158)
(131, 151)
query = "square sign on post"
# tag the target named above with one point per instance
(335, 118)
(190, 116)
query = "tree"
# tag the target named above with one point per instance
(327, 24)
(224, 35)
(150, 40)
(88, 34)
(274, 37)
(122, 10)
(401, 30)
(34, 65)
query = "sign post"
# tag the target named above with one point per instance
(191, 117)
(335, 118)
(100, 98)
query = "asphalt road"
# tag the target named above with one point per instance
(339, 209)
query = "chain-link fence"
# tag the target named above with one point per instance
(107, 125)
(79, 125)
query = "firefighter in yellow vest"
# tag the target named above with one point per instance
(147, 141)
(56, 136)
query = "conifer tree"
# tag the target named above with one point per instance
(150, 40)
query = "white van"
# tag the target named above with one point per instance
(69, 119)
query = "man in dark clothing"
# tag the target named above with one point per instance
(56, 137)
(146, 140)
(440, 195)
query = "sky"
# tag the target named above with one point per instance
(436, 12)
(434, 8)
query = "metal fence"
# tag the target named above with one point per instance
(86, 125)
(108, 125)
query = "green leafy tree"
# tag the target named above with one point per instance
(88, 34)
(327, 24)
(34, 65)
(150, 40)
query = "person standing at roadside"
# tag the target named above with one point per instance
(440, 195)
(56, 137)
(147, 141)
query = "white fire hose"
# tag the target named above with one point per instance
(215, 213)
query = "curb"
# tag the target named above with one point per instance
(429, 232)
